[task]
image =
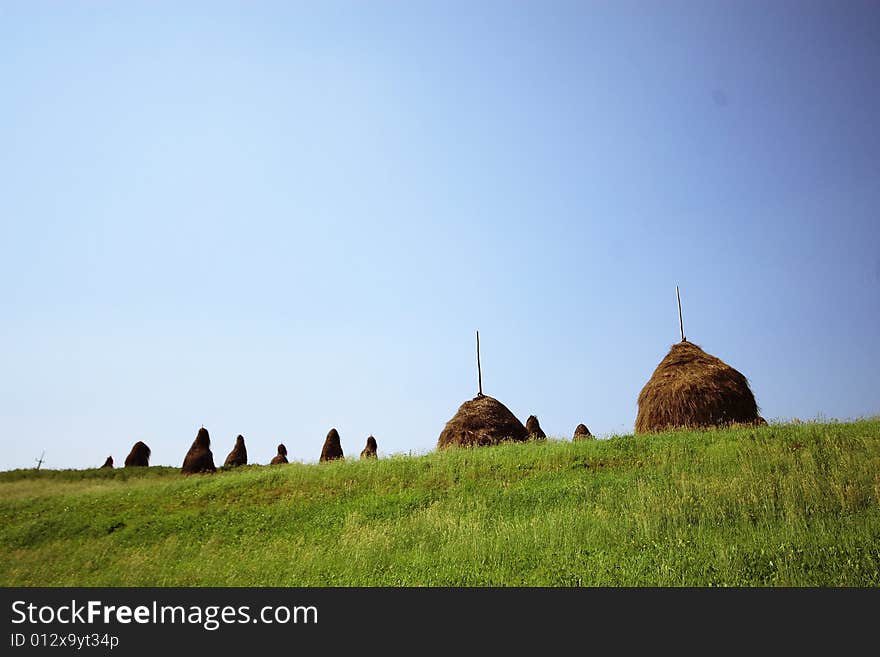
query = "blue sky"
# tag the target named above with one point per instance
(277, 218)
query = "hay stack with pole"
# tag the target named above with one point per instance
(693, 389)
(482, 420)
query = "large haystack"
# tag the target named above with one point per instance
(139, 456)
(693, 389)
(199, 458)
(480, 421)
(332, 449)
(238, 455)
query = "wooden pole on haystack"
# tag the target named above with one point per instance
(680, 322)
(479, 370)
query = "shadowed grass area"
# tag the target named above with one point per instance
(780, 505)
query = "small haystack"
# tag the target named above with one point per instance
(693, 389)
(332, 449)
(139, 456)
(481, 421)
(281, 456)
(199, 458)
(582, 433)
(369, 452)
(108, 463)
(533, 428)
(238, 455)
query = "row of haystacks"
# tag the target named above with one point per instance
(690, 389)
(200, 460)
(484, 421)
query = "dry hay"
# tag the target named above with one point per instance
(481, 421)
(139, 456)
(369, 452)
(533, 428)
(693, 389)
(108, 463)
(238, 455)
(281, 456)
(582, 433)
(332, 449)
(199, 457)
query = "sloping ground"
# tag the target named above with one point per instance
(778, 505)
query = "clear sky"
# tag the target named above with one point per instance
(277, 218)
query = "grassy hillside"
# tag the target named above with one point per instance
(781, 505)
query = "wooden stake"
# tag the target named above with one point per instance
(680, 322)
(479, 370)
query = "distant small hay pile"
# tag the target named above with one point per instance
(332, 449)
(238, 455)
(533, 428)
(281, 456)
(693, 389)
(369, 452)
(108, 463)
(139, 456)
(582, 433)
(482, 421)
(199, 458)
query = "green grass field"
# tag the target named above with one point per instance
(788, 505)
